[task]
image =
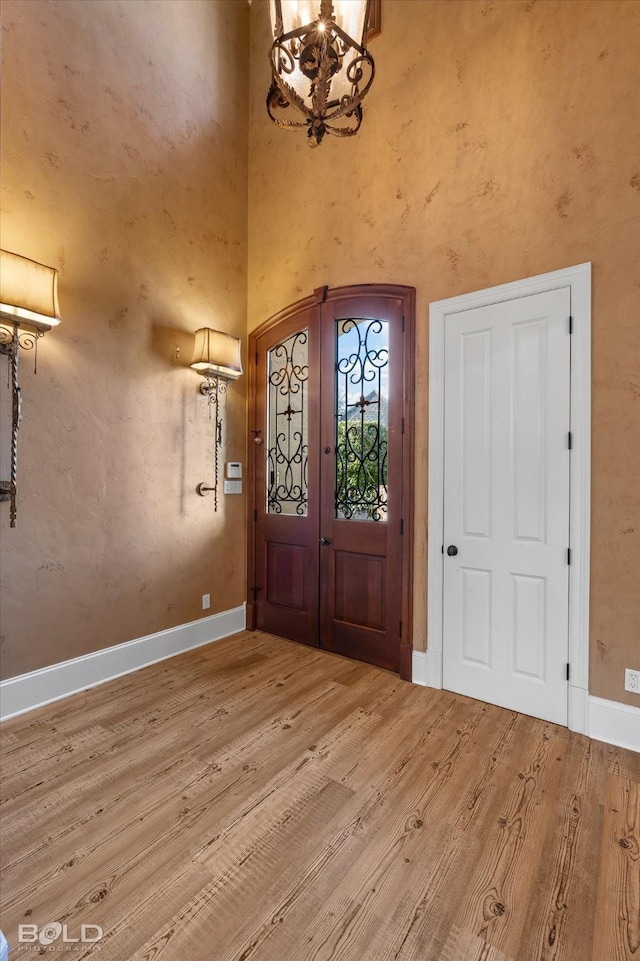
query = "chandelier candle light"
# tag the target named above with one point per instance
(319, 66)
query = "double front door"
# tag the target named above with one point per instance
(330, 550)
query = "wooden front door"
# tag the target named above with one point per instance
(330, 522)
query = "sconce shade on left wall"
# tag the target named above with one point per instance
(28, 292)
(216, 354)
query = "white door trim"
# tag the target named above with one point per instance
(578, 278)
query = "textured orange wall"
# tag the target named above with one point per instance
(125, 165)
(500, 140)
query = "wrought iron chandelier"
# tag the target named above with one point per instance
(319, 65)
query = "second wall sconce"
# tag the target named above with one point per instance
(217, 356)
(28, 309)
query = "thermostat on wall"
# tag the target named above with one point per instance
(234, 469)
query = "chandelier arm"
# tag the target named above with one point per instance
(346, 39)
(346, 131)
(290, 124)
(322, 83)
(282, 122)
(347, 104)
(291, 99)
(290, 95)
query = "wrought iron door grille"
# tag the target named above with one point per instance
(361, 404)
(287, 441)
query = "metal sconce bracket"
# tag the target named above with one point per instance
(216, 356)
(28, 309)
(211, 388)
(12, 339)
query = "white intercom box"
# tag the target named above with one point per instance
(234, 469)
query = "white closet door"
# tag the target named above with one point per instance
(506, 590)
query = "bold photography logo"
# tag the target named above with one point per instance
(56, 933)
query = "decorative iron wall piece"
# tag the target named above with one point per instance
(287, 414)
(362, 360)
(321, 68)
(11, 340)
(28, 309)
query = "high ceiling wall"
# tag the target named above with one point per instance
(124, 137)
(500, 140)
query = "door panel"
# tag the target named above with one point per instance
(286, 509)
(363, 602)
(332, 471)
(506, 590)
(361, 479)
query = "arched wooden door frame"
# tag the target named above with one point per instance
(405, 295)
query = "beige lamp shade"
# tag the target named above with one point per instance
(217, 354)
(28, 292)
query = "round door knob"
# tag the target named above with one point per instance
(324, 541)
(452, 550)
(327, 450)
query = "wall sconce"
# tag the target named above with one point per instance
(217, 357)
(319, 65)
(28, 308)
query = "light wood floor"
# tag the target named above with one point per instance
(261, 801)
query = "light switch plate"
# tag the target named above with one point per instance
(233, 487)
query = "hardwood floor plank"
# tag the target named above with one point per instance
(617, 925)
(50, 795)
(502, 884)
(423, 918)
(375, 842)
(562, 909)
(257, 800)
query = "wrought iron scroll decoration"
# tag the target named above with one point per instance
(11, 340)
(361, 433)
(287, 455)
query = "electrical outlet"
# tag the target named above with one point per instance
(206, 602)
(632, 681)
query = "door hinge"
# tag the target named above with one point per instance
(255, 514)
(256, 358)
(255, 591)
(570, 325)
(568, 671)
(569, 556)
(400, 629)
(570, 440)
(442, 548)
(402, 526)
(403, 325)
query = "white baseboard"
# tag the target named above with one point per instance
(427, 668)
(578, 719)
(419, 668)
(28, 691)
(607, 721)
(614, 723)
